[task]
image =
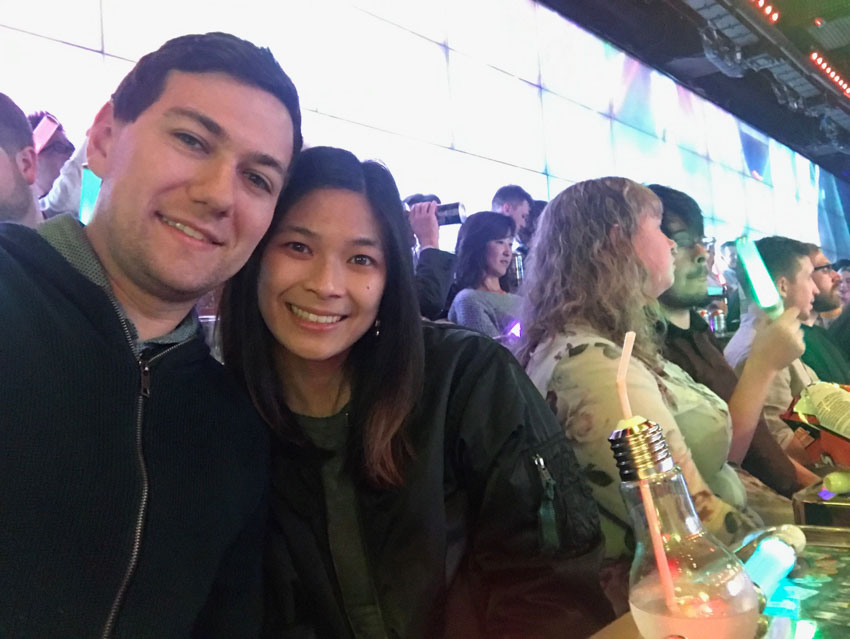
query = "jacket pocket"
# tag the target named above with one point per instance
(567, 515)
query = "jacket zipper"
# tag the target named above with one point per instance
(144, 393)
(547, 521)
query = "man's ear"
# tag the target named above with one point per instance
(101, 135)
(27, 161)
(783, 284)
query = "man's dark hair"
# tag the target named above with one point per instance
(206, 53)
(842, 264)
(36, 118)
(15, 130)
(728, 245)
(678, 203)
(511, 194)
(472, 245)
(419, 198)
(781, 257)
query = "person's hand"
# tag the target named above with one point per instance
(777, 344)
(423, 221)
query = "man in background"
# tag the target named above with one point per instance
(788, 263)
(18, 166)
(689, 343)
(434, 268)
(513, 201)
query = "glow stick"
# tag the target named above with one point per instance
(763, 288)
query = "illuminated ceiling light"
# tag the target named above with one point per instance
(774, 17)
(814, 55)
(828, 69)
(818, 22)
(761, 3)
(768, 10)
(823, 65)
(819, 60)
(832, 74)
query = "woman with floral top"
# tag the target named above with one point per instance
(599, 263)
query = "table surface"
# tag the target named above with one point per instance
(813, 601)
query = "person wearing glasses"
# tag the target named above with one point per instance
(789, 265)
(823, 354)
(689, 343)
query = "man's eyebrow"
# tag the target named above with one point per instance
(208, 123)
(263, 159)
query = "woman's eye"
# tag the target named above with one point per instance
(298, 247)
(362, 260)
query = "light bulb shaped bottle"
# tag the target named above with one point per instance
(683, 582)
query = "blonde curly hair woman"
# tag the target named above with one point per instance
(598, 264)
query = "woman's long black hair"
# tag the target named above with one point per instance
(477, 230)
(385, 371)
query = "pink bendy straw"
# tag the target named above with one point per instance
(646, 495)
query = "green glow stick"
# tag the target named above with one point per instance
(764, 290)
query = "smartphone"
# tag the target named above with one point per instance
(43, 132)
(763, 288)
(450, 213)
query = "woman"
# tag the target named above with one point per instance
(483, 256)
(406, 500)
(599, 264)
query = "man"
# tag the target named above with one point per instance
(52, 155)
(513, 201)
(133, 471)
(434, 268)
(823, 354)
(18, 166)
(516, 203)
(788, 263)
(729, 251)
(690, 344)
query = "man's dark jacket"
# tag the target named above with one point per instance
(132, 492)
(434, 274)
(477, 543)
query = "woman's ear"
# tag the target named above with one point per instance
(101, 136)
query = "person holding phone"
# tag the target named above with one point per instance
(434, 268)
(408, 495)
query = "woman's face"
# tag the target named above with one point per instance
(322, 275)
(498, 256)
(655, 251)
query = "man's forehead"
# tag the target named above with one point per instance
(818, 258)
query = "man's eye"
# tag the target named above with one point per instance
(259, 181)
(189, 140)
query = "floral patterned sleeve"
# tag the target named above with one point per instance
(583, 393)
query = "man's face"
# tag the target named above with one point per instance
(16, 200)
(827, 282)
(844, 286)
(800, 290)
(190, 187)
(689, 265)
(518, 211)
(51, 158)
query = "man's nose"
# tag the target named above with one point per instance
(215, 186)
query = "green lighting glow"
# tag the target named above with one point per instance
(763, 288)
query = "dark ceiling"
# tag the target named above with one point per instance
(764, 70)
